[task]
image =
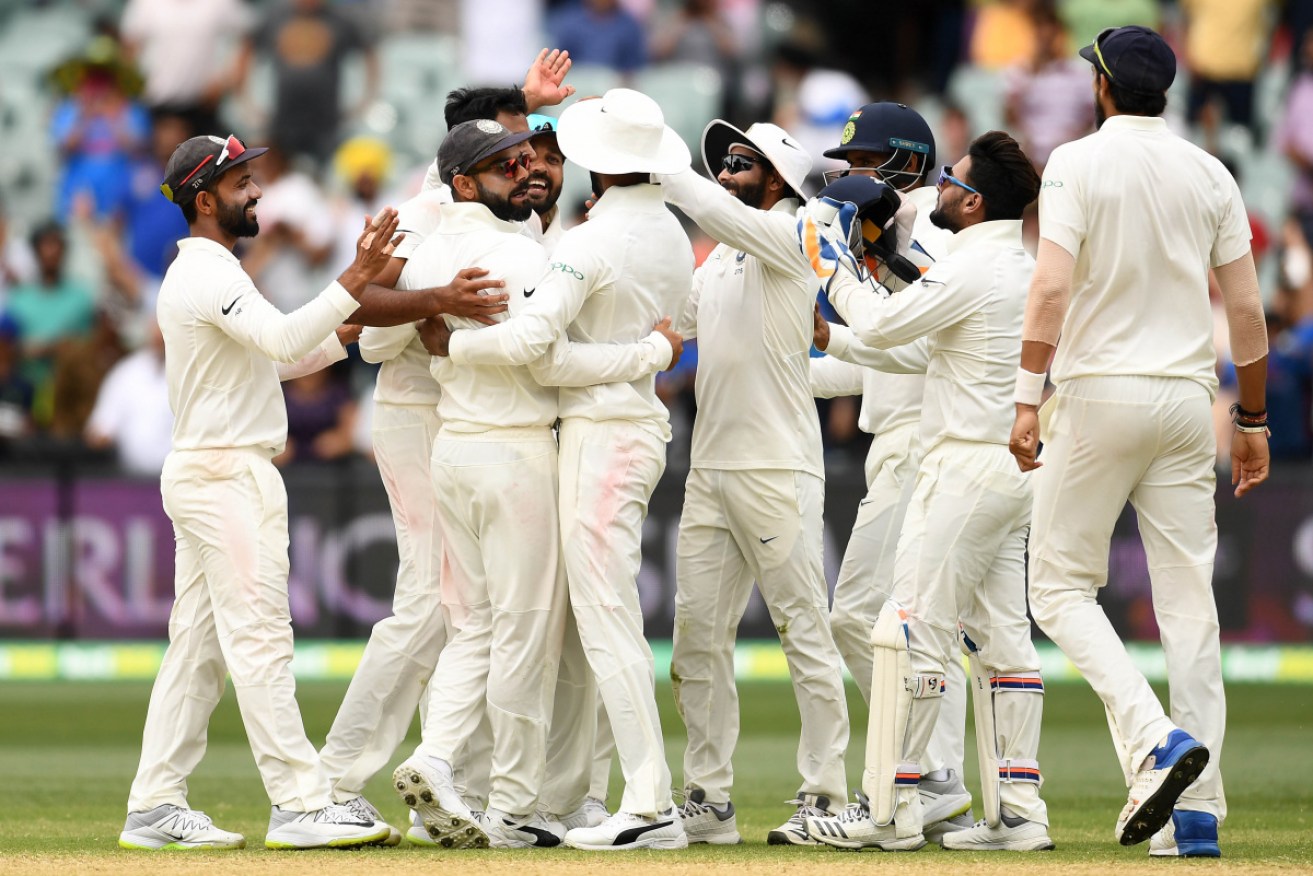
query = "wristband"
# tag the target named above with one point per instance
(1030, 387)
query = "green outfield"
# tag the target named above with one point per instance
(68, 751)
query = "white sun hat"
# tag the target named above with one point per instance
(623, 131)
(784, 153)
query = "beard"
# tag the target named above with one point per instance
(232, 220)
(501, 205)
(941, 218)
(1099, 115)
(753, 194)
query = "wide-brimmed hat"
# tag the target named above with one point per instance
(784, 153)
(102, 56)
(623, 131)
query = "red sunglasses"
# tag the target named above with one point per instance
(508, 166)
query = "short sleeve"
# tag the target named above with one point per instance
(1233, 234)
(1062, 213)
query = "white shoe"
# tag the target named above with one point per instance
(528, 832)
(425, 785)
(1163, 843)
(935, 833)
(1011, 835)
(1167, 772)
(366, 810)
(592, 813)
(853, 828)
(624, 831)
(333, 827)
(794, 831)
(704, 823)
(943, 796)
(173, 827)
(417, 835)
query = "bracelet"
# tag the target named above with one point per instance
(1248, 421)
(1239, 427)
(1030, 387)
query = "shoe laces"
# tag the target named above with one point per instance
(363, 808)
(338, 813)
(806, 810)
(858, 811)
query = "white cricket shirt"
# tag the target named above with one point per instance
(969, 309)
(1145, 213)
(751, 311)
(477, 398)
(221, 340)
(587, 326)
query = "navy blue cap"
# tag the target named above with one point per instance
(1133, 57)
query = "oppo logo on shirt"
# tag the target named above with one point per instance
(565, 269)
(1052, 183)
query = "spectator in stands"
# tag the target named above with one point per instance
(600, 32)
(180, 46)
(320, 418)
(97, 129)
(308, 43)
(16, 392)
(1003, 34)
(362, 166)
(698, 33)
(80, 366)
(132, 412)
(1049, 99)
(296, 233)
(1294, 136)
(1226, 42)
(50, 310)
(1083, 19)
(16, 263)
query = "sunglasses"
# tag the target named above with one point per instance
(739, 163)
(507, 167)
(946, 177)
(232, 150)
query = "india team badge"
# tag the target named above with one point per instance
(850, 129)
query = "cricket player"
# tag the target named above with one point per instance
(229, 510)
(754, 497)
(961, 555)
(1132, 218)
(891, 143)
(609, 280)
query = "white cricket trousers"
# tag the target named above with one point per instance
(961, 557)
(1148, 440)
(866, 583)
(505, 594)
(230, 611)
(737, 526)
(402, 649)
(609, 469)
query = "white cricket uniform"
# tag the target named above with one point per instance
(754, 498)
(229, 511)
(403, 648)
(1145, 213)
(494, 472)
(962, 549)
(588, 328)
(891, 411)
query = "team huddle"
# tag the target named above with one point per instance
(519, 436)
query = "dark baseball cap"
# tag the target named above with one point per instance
(470, 142)
(1133, 57)
(198, 161)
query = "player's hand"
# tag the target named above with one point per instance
(820, 330)
(373, 250)
(1024, 442)
(474, 294)
(435, 334)
(1250, 461)
(544, 83)
(348, 334)
(675, 339)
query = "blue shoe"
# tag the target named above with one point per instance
(1167, 772)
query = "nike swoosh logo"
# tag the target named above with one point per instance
(528, 293)
(772, 538)
(865, 502)
(230, 306)
(625, 837)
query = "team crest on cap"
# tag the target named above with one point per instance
(488, 126)
(849, 131)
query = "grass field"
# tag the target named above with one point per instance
(68, 752)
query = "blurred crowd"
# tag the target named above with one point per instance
(348, 93)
